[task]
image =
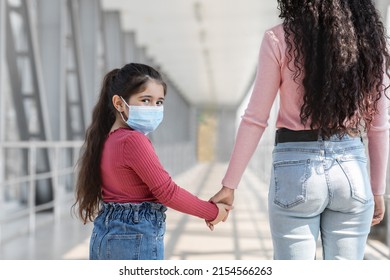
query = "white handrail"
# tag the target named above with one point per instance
(32, 177)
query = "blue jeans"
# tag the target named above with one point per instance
(127, 231)
(320, 188)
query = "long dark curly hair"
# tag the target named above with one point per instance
(339, 50)
(130, 79)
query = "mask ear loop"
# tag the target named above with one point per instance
(122, 112)
(122, 117)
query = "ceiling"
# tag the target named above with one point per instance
(208, 48)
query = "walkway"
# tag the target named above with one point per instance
(245, 236)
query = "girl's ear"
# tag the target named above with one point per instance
(118, 103)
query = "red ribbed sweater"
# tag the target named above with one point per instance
(132, 172)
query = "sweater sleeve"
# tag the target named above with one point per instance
(378, 147)
(255, 119)
(144, 161)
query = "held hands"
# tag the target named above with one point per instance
(224, 198)
(223, 210)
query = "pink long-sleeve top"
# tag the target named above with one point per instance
(132, 172)
(274, 76)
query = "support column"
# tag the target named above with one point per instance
(50, 25)
(113, 40)
(75, 76)
(130, 46)
(92, 49)
(2, 64)
(28, 88)
(2, 94)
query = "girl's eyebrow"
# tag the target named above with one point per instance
(143, 96)
(150, 96)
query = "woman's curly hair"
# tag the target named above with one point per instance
(339, 50)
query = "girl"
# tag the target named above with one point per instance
(120, 176)
(329, 62)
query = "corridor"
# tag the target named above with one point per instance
(53, 56)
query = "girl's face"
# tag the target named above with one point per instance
(153, 95)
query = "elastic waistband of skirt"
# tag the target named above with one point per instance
(135, 206)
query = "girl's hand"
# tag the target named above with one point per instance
(223, 210)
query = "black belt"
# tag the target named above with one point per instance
(284, 135)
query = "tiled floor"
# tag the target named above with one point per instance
(245, 236)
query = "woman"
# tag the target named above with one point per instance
(121, 179)
(327, 61)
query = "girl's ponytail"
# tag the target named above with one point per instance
(88, 193)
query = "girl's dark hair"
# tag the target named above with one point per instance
(338, 49)
(130, 79)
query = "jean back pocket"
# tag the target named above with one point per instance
(356, 170)
(290, 182)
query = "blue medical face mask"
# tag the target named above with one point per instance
(144, 119)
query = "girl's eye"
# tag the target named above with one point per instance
(146, 101)
(160, 102)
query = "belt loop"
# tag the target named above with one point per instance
(108, 216)
(136, 214)
(361, 136)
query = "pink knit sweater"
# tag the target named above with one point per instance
(132, 172)
(272, 76)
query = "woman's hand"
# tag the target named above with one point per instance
(379, 210)
(225, 195)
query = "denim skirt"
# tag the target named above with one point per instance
(129, 231)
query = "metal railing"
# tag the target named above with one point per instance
(18, 192)
(20, 183)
